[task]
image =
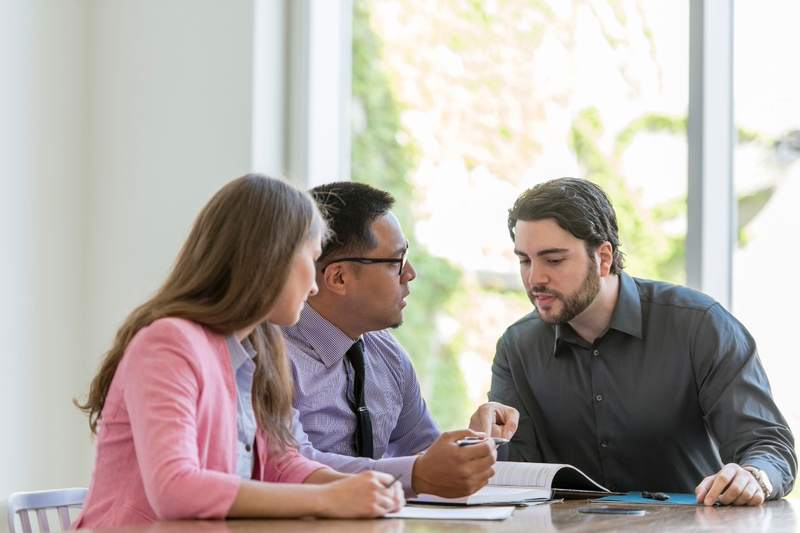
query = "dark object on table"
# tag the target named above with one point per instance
(660, 496)
(612, 510)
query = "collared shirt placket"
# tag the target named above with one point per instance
(599, 400)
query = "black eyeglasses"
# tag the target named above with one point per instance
(402, 260)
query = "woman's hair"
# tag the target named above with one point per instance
(227, 277)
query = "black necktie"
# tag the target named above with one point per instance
(363, 423)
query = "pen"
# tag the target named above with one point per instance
(498, 441)
(395, 480)
(660, 496)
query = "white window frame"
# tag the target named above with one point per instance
(711, 230)
(318, 122)
(319, 90)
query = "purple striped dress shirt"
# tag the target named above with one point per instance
(324, 424)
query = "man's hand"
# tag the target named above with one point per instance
(733, 485)
(495, 419)
(449, 470)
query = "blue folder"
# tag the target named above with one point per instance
(635, 498)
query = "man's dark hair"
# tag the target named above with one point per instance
(350, 208)
(578, 206)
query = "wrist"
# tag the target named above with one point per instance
(418, 484)
(320, 499)
(762, 479)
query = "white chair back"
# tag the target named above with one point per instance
(22, 503)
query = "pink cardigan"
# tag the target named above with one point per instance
(167, 439)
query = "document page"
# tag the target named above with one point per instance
(542, 475)
(524, 474)
(492, 495)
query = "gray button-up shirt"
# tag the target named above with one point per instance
(324, 424)
(670, 391)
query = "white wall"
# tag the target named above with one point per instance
(118, 120)
(170, 123)
(42, 201)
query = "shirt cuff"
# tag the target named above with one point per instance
(399, 466)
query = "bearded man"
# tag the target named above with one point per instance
(641, 384)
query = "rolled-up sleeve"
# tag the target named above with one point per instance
(289, 467)
(737, 402)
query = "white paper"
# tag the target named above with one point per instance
(514, 474)
(491, 495)
(517, 482)
(524, 474)
(440, 512)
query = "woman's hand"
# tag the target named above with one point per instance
(363, 495)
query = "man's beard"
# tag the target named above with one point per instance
(576, 303)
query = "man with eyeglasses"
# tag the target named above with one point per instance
(357, 400)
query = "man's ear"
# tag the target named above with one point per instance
(334, 279)
(606, 255)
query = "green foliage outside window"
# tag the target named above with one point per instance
(652, 253)
(380, 160)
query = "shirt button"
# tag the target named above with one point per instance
(603, 444)
(599, 397)
(596, 353)
(248, 448)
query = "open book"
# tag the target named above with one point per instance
(521, 482)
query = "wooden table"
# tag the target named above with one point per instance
(772, 516)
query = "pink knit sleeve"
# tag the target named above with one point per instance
(289, 467)
(161, 390)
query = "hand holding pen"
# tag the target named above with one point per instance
(368, 494)
(457, 464)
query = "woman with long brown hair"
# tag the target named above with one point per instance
(191, 405)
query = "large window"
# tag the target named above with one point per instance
(459, 106)
(767, 173)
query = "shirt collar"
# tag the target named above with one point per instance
(240, 352)
(328, 342)
(627, 315)
(565, 333)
